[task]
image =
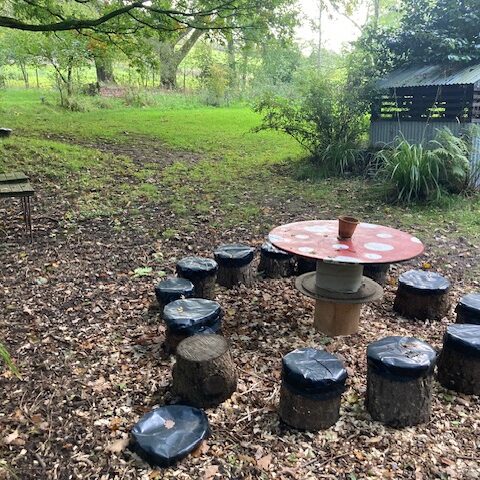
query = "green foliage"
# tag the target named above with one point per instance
(324, 116)
(417, 173)
(5, 358)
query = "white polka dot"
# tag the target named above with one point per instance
(344, 259)
(302, 237)
(373, 256)
(306, 250)
(368, 225)
(378, 247)
(277, 238)
(318, 229)
(384, 235)
(339, 246)
(415, 240)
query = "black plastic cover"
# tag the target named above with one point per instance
(192, 315)
(421, 281)
(173, 288)
(270, 250)
(469, 307)
(464, 338)
(234, 255)
(196, 268)
(401, 357)
(308, 371)
(168, 434)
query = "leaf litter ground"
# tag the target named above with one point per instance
(78, 319)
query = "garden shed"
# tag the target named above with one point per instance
(416, 101)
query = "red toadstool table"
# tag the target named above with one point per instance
(338, 285)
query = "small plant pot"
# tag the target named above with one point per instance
(346, 226)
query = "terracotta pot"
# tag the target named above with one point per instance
(346, 226)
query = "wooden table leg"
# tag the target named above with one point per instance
(335, 319)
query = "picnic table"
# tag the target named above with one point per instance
(16, 185)
(338, 285)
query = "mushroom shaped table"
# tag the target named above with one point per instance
(338, 285)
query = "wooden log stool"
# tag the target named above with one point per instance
(234, 264)
(377, 272)
(468, 309)
(202, 272)
(459, 361)
(399, 380)
(422, 295)
(275, 263)
(312, 385)
(204, 375)
(191, 316)
(305, 265)
(171, 289)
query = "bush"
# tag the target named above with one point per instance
(324, 117)
(138, 98)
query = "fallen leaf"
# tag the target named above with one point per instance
(210, 472)
(169, 424)
(118, 445)
(264, 462)
(200, 450)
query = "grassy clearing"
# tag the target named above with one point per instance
(241, 174)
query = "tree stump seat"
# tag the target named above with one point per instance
(275, 263)
(305, 265)
(468, 309)
(459, 361)
(378, 272)
(5, 132)
(399, 380)
(204, 374)
(234, 264)
(422, 295)
(191, 316)
(171, 289)
(202, 272)
(312, 384)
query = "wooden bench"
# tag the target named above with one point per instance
(16, 184)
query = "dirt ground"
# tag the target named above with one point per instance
(80, 326)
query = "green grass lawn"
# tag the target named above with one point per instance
(237, 172)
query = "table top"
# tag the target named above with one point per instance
(23, 189)
(13, 177)
(371, 243)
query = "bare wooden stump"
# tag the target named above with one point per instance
(377, 272)
(308, 413)
(422, 295)
(305, 265)
(399, 380)
(173, 339)
(459, 361)
(202, 272)
(204, 375)
(230, 276)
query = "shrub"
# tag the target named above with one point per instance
(138, 98)
(5, 357)
(323, 117)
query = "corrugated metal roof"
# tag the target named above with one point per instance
(431, 75)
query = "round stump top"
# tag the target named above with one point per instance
(310, 370)
(272, 251)
(234, 254)
(471, 302)
(463, 337)
(196, 267)
(168, 434)
(191, 314)
(173, 288)
(201, 348)
(423, 282)
(401, 356)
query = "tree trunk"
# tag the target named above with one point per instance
(104, 69)
(23, 68)
(232, 61)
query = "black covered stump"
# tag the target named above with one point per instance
(204, 375)
(459, 361)
(312, 385)
(399, 381)
(234, 264)
(171, 289)
(468, 309)
(422, 295)
(167, 434)
(378, 272)
(202, 272)
(5, 132)
(275, 263)
(305, 265)
(192, 316)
